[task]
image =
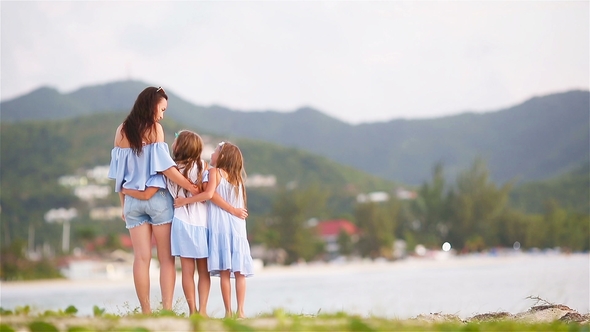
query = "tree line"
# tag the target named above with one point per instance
(472, 214)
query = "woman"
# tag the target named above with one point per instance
(140, 159)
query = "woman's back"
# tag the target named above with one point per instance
(138, 171)
(150, 136)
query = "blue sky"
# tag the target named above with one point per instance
(358, 61)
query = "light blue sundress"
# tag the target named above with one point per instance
(189, 233)
(229, 248)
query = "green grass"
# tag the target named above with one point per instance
(24, 319)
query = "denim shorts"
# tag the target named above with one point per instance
(158, 210)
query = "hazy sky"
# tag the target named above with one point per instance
(358, 61)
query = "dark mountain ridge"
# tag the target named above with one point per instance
(538, 139)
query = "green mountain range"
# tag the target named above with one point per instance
(538, 139)
(543, 142)
(34, 154)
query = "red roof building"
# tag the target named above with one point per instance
(329, 231)
(331, 228)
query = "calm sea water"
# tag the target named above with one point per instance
(463, 286)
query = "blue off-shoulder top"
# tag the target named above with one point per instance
(138, 172)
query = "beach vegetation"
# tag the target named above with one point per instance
(279, 320)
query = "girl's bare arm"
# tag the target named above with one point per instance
(203, 196)
(122, 199)
(141, 194)
(238, 212)
(210, 194)
(175, 176)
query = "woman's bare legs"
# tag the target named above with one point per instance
(188, 283)
(226, 292)
(240, 293)
(167, 267)
(141, 238)
(204, 285)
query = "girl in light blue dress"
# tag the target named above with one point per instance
(229, 249)
(189, 238)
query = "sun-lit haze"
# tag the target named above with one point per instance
(357, 61)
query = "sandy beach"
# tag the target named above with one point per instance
(464, 286)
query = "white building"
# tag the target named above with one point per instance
(259, 180)
(376, 196)
(106, 213)
(92, 191)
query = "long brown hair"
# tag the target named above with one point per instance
(187, 153)
(231, 161)
(141, 121)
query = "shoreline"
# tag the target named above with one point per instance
(322, 268)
